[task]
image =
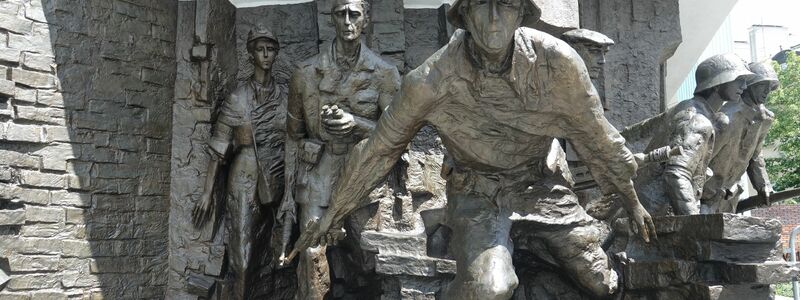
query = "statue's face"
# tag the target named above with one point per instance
(264, 53)
(759, 92)
(492, 22)
(350, 20)
(594, 56)
(732, 91)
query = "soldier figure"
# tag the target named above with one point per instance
(592, 47)
(335, 99)
(249, 135)
(743, 126)
(498, 94)
(678, 183)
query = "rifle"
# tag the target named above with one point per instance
(658, 155)
(757, 201)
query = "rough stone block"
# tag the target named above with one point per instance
(66, 198)
(27, 263)
(11, 295)
(34, 11)
(44, 214)
(14, 23)
(750, 273)
(9, 55)
(154, 76)
(50, 98)
(33, 79)
(56, 134)
(25, 94)
(25, 195)
(393, 243)
(38, 179)
(7, 87)
(33, 281)
(12, 217)
(659, 274)
(38, 62)
(411, 265)
(23, 133)
(49, 295)
(17, 159)
(719, 227)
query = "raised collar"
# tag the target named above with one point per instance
(327, 60)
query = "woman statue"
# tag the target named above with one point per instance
(249, 136)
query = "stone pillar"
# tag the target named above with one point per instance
(646, 34)
(206, 72)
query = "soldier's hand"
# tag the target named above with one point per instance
(641, 223)
(333, 236)
(765, 196)
(202, 210)
(337, 121)
(311, 236)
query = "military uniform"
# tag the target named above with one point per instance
(251, 127)
(314, 156)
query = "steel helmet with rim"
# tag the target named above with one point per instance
(720, 69)
(456, 19)
(764, 72)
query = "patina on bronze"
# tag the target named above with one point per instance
(335, 98)
(498, 94)
(675, 186)
(248, 137)
(742, 127)
(592, 46)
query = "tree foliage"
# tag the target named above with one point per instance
(784, 135)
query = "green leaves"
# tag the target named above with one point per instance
(784, 136)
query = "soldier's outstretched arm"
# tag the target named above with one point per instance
(370, 161)
(757, 172)
(597, 142)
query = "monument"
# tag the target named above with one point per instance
(335, 99)
(485, 94)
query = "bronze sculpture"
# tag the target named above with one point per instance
(742, 126)
(497, 94)
(249, 136)
(592, 46)
(335, 99)
(676, 185)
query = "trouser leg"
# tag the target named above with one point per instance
(313, 272)
(577, 249)
(482, 249)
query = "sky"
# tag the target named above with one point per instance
(766, 12)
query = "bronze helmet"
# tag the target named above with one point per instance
(455, 18)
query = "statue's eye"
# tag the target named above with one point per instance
(506, 2)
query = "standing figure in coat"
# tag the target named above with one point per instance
(248, 136)
(335, 98)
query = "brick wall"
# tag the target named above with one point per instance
(789, 215)
(85, 110)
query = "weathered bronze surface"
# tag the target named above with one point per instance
(675, 187)
(743, 126)
(247, 141)
(335, 98)
(498, 94)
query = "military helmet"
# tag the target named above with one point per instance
(261, 32)
(764, 72)
(455, 18)
(720, 69)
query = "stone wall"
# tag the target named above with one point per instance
(789, 215)
(646, 34)
(85, 90)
